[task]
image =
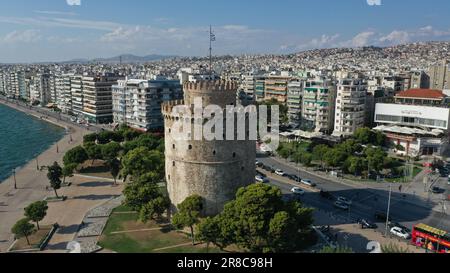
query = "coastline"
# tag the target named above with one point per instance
(31, 183)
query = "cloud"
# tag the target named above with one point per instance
(374, 2)
(51, 12)
(396, 37)
(73, 2)
(319, 42)
(26, 36)
(360, 40)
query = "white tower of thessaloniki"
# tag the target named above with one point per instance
(213, 169)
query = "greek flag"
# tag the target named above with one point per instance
(213, 37)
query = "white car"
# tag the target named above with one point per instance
(399, 232)
(298, 191)
(308, 182)
(344, 200)
(279, 172)
(261, 179)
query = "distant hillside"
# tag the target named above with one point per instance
(126, 58)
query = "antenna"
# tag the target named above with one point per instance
(212, 38)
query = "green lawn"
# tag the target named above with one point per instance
(148, 241)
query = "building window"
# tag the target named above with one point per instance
(190, 147)
(173, 146)
(173, 163)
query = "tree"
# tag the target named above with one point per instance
(208, 230)
(306, 159)
(68, 171)
(89, 138)
(335, 250)
(94, 152)
(261, 221)
(154, 209)
(319, 153)
(110, 151)
(140, 161)
(114, 167)
(393, 248)
(23, 228)
(188, 214)
(356, 165)
(105, 137)
(142, 191)
(363, 135)
(76, 155)
(36, 212)
(54, 175)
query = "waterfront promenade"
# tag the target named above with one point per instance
(31, 183)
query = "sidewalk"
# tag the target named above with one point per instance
(31, 183)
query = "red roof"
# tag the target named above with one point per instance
(422, 93)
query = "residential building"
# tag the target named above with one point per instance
(350, 106)
(319, 105)
(294, 101)
(440, 76)
(137, 103)
(97, 98)
(276, 88)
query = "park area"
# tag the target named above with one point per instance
(33, 241)
(124, 233)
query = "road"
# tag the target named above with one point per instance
(408, 210)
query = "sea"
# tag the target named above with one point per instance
(22, 138)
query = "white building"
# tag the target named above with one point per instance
(137, 103)
(350, 106)
(420, 130)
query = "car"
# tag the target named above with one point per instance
(296, 178)
(297, 191)
(344, 200)
(437, 190)
(259, 179)
(341, 205)
(399, 232)
(326, 194)
(258, 164)
(279, 172)
(308, 182)
(381, 216)
(395, 224)
(367, 224)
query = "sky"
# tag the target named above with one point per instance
(59, 30)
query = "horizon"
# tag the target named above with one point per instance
(58, 31)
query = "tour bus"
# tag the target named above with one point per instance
(432, 239)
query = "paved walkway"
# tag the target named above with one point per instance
(31, 183)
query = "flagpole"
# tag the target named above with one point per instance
(210, 50)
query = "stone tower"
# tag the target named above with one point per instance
(213, 169)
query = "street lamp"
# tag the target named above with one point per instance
(388, 209)
(15, 181)
(37, 163)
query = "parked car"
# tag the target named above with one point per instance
(279, 172)
(308, 182)
(399, 232)
(261, 179)
(297, 191)
(344, 200)
(296, 178)
(395, 224)
(367, 224)
(341, 205)
(437, 190)
(326, 194)
(261, 174)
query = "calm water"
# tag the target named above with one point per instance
(22, 138)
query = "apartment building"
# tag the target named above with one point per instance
(76, 91)
(319, 105)
(276, 88)
(260, 87)
(294, 101)
(350, 106)
(97, 98)
(137, 103)
(440, 76)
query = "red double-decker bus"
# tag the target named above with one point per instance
(432, 239)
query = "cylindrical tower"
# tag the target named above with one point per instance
(213, 169)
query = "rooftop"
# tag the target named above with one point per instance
(422, 93)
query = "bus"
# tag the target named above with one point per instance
(431, 239)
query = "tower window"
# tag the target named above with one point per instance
(173, 146)
(234, 155)
(190, 147)
(214, 152)
(173, 163)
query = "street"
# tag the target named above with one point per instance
(406, 208)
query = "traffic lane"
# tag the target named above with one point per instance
(369, 199)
